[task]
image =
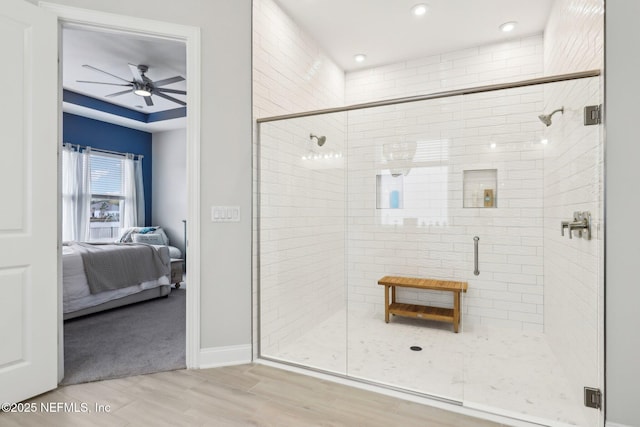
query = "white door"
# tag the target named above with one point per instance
(29, 208)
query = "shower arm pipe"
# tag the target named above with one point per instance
(438, 95)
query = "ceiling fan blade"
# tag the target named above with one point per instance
(179, 92)
(104, 72)
(118, 93)
(103, 83)
(137, 76)
(168, 81)
(170, 98)
(148, 100)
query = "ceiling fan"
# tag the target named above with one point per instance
(142, 85)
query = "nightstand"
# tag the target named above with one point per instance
(177, 266)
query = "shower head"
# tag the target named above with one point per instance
(546, 118)
(320, 140)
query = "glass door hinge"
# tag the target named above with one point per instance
(592, 115)
(592, 398)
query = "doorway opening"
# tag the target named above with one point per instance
(170, 167)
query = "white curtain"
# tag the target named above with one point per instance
(139, 192)
(133, 207)
(76, 194)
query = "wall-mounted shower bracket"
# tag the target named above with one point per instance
(581, 224)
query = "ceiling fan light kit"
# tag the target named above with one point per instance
(142, 85)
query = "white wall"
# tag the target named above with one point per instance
(225, 153)
(573, 182)
(169, 172)
(302, 206)
(623, 203)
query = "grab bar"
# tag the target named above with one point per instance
(475, 255)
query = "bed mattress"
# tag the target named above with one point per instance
(76, 293)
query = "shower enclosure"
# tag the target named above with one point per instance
(471, 186)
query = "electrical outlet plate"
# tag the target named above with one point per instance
(225, 213)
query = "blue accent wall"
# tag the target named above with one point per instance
(107, 136)
(107, 107)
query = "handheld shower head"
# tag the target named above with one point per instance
(320, 140)
(546, 118)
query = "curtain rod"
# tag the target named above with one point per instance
(100, 150)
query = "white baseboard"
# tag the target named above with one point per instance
(611, 424)
(225, 356)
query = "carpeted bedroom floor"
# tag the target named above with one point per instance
(137, 339)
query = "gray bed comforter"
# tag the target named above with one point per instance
(118, 265)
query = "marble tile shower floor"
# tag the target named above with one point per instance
(506, 371)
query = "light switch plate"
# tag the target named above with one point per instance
(225, 213)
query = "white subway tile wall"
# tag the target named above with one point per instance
(432, 235)
(302, 229)
(291, 73)
(574, 182)
(513, 60)
(302, 212)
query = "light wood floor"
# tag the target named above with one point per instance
(246, 395)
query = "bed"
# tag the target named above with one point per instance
(87, 288)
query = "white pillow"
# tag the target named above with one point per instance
(148, 238)
(159, 231)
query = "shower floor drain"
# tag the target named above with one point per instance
(416, 348)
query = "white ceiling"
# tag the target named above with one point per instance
(112, 51)
(387, 32)
(384, 30)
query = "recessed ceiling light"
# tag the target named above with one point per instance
(419, 9)
(544, 141)
(508, 26)
(360, 57)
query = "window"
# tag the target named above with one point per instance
(107, 197)
(102, 194)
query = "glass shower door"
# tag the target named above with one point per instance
(532, 314)
(418, 189)
(302, 297)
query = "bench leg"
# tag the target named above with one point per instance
(386, 302)
(456, 311)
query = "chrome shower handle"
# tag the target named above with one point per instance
(475, 256)
(579, 225)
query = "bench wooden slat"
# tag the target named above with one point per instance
(415, 282)
(422, 311)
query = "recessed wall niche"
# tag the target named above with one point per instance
(389, 191)
(480, 188)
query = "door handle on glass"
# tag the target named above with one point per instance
(475, 255)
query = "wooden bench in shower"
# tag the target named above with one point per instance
(451, 315)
